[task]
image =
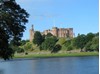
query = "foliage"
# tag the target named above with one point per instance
(67, 43)
(80, 41)
(49, 43)
(12, 25)
(88, 47)
(9, 53)
(61, 41)
(53, 44)
(89, 36)
(56, 48)
(20, 50)
(97, 34)
(69, 48)
(28, 46)
(93, 45)
(38, 39)
(23, 42)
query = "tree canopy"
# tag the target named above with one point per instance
(80, 41)
(38, 39)
(49, 43)
(12, 25)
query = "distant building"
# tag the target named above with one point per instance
(31, 34)
(58, 32)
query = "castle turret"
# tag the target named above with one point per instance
(31, 34)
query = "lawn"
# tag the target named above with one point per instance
(56, 55)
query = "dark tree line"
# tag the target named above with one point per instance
(89, 42)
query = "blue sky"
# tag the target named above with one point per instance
(81, 15)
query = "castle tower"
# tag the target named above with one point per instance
(31, 34)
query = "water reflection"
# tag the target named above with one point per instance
(1, 71)
(66, 65)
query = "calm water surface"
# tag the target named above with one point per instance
(65, 65)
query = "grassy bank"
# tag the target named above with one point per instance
(56, 55)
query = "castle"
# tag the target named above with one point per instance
(58, 32)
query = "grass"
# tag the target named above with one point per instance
(56, 55)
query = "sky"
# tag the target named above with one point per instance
(81, 15)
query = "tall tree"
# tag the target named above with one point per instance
(38, 39)
(12, 25)
(89, 36)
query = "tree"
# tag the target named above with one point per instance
(97, 34)
(80, 41)
(12, 25)
(88, 46)
(93, 45)
(49, 43)
(23, 42)
(89, 36)
(38, 39)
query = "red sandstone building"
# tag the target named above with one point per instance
(58, 32)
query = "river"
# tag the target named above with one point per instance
(63, 65)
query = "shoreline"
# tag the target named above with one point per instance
(55, 55)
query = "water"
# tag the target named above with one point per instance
(65, 65)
